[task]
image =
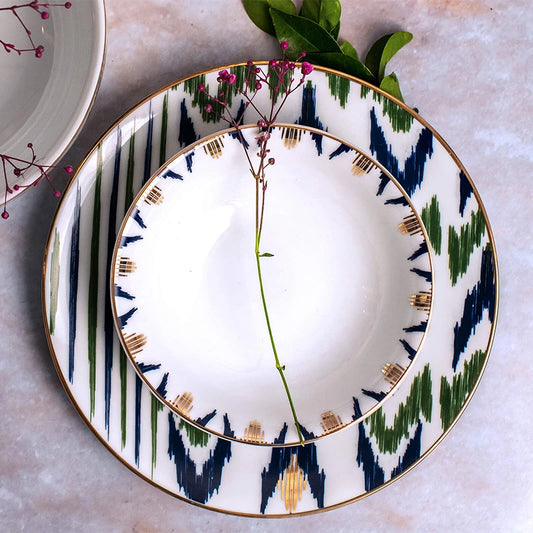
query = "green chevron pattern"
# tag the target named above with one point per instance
(92, 308)
(453, 396)
(461, 245)
(155, 408)
(123, 372)
(54, 281)
(164, 127)
(431, 218)
(399, 118)
(201, 99)
(339, 88)
(196, 436)
(418, 403)
(274, 79)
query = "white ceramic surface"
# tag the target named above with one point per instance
(44, 101)
(339, 287)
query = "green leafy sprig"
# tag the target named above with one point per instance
(315, 31)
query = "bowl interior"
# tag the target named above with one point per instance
(348, 282)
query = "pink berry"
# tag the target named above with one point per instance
(16, 187)
(284, 45)
(208, 108)
(45, 15)
(68, 5)
(16, 171)
(201, 87)
(57, 194)
(5, 215)
(69, 169)
(307, 68)
(223, 75)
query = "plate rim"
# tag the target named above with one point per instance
(424, 455)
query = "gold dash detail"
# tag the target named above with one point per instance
(410, 224)
(291, 136)
(154, 196)
(253, 433)
(214, 148)
(362, 165)
(135, 342)
(392, 372)
(421, 300)
(183, 403)
(330, 421)
(291, 484)
(126, 266)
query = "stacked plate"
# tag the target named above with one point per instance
(154, 315)
(46, 99)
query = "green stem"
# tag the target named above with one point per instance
(279, 366)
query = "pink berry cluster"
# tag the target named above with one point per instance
(17, 166)
(16, 11)
(279, 79)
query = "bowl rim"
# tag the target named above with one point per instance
(131, 356)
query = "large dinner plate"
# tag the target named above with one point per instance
(44, 101)
(238, 477)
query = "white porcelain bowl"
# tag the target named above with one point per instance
(345, 282)
(44, 101)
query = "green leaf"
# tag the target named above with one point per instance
(266, 254)
(303, 35)
(348, 50)
(258, 12)
(382, 51)
(326, 13)
(335, 31)
(391, 85)
(344, 63)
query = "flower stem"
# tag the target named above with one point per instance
(279, 366)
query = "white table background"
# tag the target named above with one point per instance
(469, 71)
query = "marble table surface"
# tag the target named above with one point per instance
(469, 72)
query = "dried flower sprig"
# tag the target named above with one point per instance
(17, 166)
(41, 9)
(281, 80)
